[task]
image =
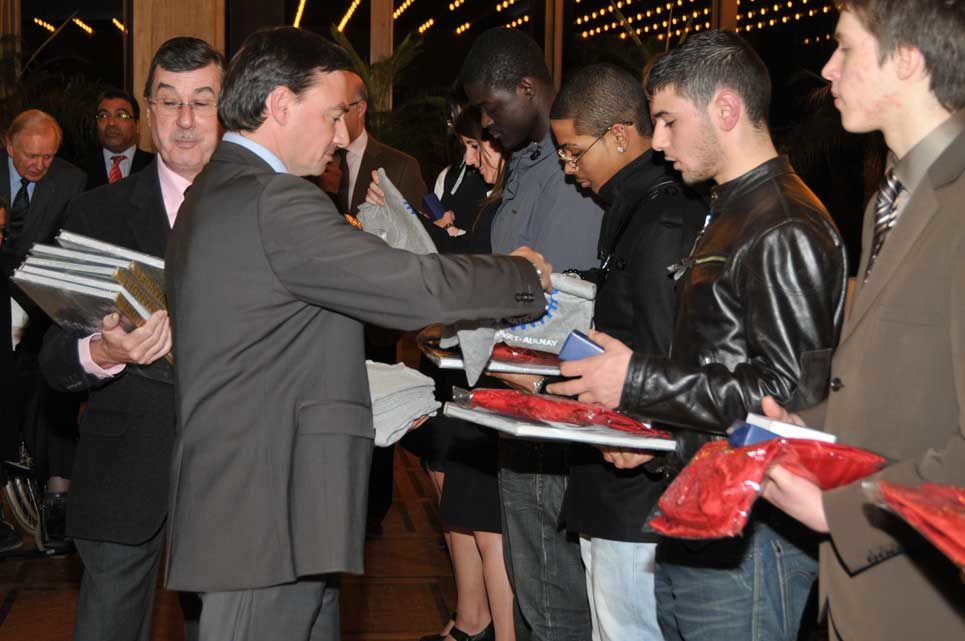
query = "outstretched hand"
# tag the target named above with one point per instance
(599, 379)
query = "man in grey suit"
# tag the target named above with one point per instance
(268, 287)
(898, 376)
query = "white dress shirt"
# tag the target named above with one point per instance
(353, 158)
(125, 164)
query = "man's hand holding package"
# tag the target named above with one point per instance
(143, 346)
(544, 267)
(597, 379)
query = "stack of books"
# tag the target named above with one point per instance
(80, 280)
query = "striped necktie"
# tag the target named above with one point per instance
(115, 173)
(885, 216)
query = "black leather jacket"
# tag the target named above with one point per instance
(760, 310)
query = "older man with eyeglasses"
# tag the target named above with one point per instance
(118, 119)
(119, 494)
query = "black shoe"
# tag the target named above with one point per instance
(9, 539)
(440, 637)
(488, 634)
(53, 522)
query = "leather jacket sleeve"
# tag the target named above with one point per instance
(792, 277)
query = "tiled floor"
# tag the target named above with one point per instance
(406, 592)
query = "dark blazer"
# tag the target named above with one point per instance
(898, 388)
(401, 168)
(51, 195)
(120, 483)
(97, 170)
(48, 205)
(268, 287)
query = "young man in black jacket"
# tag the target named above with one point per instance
(601, 123)
(761, 306)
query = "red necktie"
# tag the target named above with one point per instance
(115, 173)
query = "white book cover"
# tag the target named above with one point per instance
(540, 431)
(788, 430)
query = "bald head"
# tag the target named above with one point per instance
(358, 100)
(35, 121)
(32, 142)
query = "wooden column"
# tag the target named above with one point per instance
(381, 42)
(725, 14)
(10, 17)
(155, 22)
(553, 40)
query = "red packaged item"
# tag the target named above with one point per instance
(712, 497)
(541, 407)
(510, 354)
(937, 511)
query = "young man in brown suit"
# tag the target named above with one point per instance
(898, 377)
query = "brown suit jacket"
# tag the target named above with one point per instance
(898, 388)
(401, 168)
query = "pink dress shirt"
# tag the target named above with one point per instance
(172, 192)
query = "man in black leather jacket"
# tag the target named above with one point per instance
(761, 300)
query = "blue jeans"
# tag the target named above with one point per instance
(619, 581)
(752, 588)
(543, 562)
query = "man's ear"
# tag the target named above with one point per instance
(725, 109)
(909, 62)
(526, 87)
(278, 103)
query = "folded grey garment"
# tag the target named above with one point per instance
(395, 222)
(569, 306)
(400, 395)
(392, 425)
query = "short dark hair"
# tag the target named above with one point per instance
(113, 93)
(270, 58)
(501, 57)
(709, 60)
(598, 96)
(183, 54)
(934, 27)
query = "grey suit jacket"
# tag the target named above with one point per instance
(898, 388)
(268, 287)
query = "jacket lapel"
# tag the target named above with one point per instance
(918, 213)
(148, 221)
(36, 223)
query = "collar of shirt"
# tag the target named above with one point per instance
(15, 182)
(353, 160)
(172, 189)
(259, 150)
(529, 156)
(125, 164)
(911, 169)
(357, 146)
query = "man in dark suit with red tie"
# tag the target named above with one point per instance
(118, 127)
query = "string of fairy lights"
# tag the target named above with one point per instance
(661, 19)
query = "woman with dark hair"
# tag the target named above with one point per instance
(465, 471)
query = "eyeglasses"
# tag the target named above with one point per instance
(573, 160)
(120, 115)
(172, 108)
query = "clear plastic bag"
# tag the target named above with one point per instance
(555, 409)
(713, 495)
(936, 511)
